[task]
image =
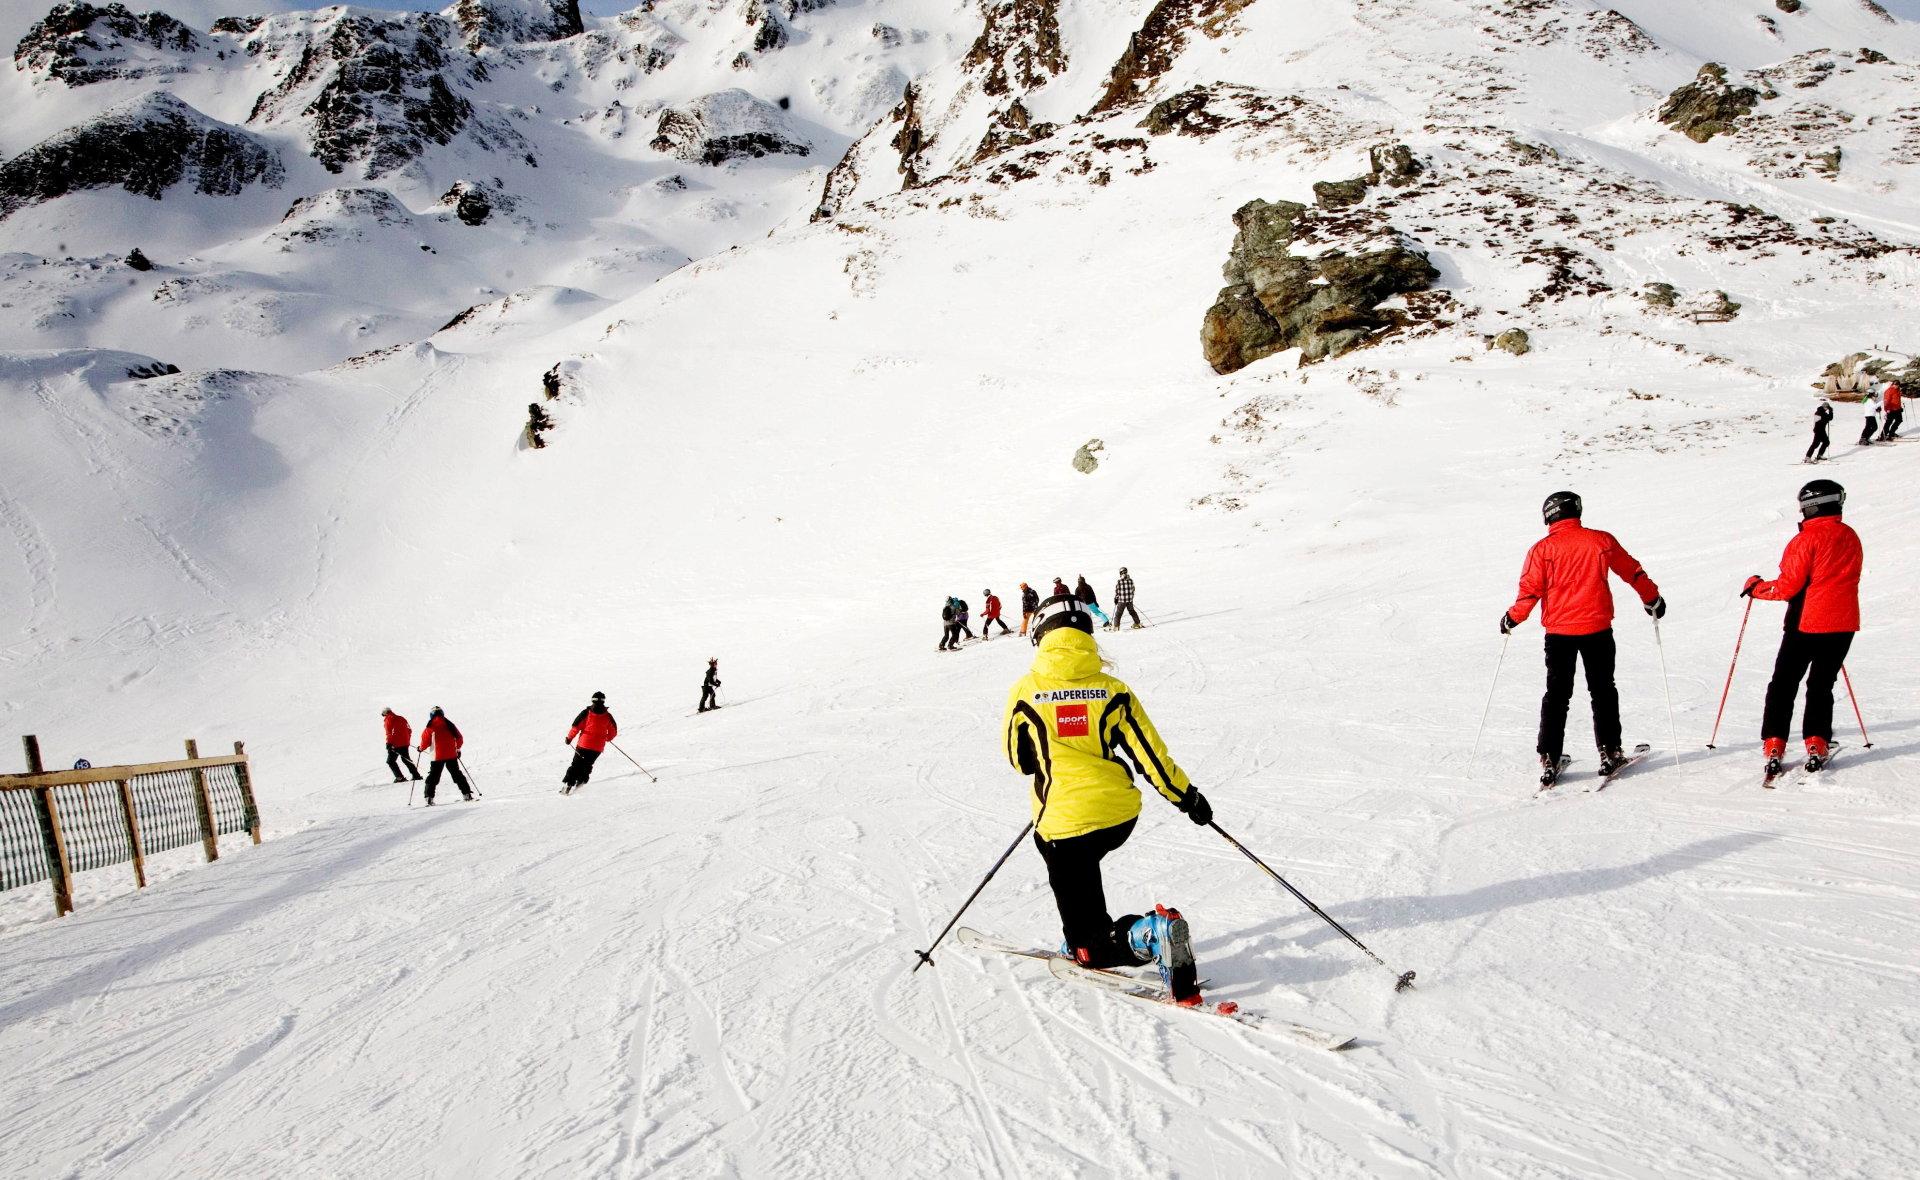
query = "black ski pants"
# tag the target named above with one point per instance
(950, 637)
(706, 698)
(396, 758)
(1892, 428)
(1073, 869)
(1595, 652)
(582, 768)
(452, 767)
(1818, 449)
(1817, 658)
(987, 626)
(1867, 432)
(1122, 609)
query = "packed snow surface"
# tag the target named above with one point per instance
(786, 455)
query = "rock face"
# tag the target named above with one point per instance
(474, 201)
(1324, 305)
(1515, 341)
(516, 22)
(1339, 194)
(378, 90)
(1019, 48)
(81, 44)
(1708, 105)
(728, 125)
(1086, 459)
(145, 145)
(1158, 43)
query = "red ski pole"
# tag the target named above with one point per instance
(1741, 638)
(1856, 706)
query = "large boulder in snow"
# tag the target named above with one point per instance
(80, 44)
(1324, 304)
(146, 146)
(1708, 105)
(728, 125)
(498, 23)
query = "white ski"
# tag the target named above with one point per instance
(1154, 994)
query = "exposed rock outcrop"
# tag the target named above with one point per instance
(474, 201)
(1019, 48)
(1513, 340)
(146, 146)
(1708, 105)
(79, 44)
(1339, 194)
(1161, 38)
(1325, 305)
(1086, 460)
(728, 125)
(516, 22)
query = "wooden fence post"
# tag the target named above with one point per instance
(50, 832)
(246, 791)
(204, 805)
(133, 832)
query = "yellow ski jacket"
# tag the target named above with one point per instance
(1067, 724)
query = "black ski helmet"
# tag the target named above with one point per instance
(1561, 506)
(599, 698)
(1062, 610)
(1822, 497)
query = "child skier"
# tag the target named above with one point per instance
(1067, 724)
(591, 732)
(1823, 415)
(1567, 571)
(1820, 583)
(1870, 424)
(710, 686)
(444, 736)
(992, 608)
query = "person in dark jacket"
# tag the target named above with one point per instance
(1060, 588)
(591, 732)
(1820, 583)
(445, 738)
(1123, 602)
(710, 686)
(1084, 593)
(1822, 418)
(398, 733)
(1029, 603)
(962, 613)
(949, 630)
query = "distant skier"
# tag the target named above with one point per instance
(962, 613)
(1029, 603)
(1893, 401)
(992, 608)
(1068, 724)
(1060, 588)
(1822, 415)
(398, 732)
(591, 732)
(1123, 601)
(444, 736)
(1090, 600)
(1567, 571)
(1820, 583)
(950, 630)
(709, 687)
(1870, 423)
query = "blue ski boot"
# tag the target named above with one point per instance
(1162, 937)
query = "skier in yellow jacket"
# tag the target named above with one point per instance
(1076, 729)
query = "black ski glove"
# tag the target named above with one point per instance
(1658, 607)
(1196, 806)
(1506, 623)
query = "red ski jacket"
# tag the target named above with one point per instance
(1891, 401)
(1819, 578)
(1567, 570)
(993, 606)
(445, 738)
(593, 729)
(398, 730)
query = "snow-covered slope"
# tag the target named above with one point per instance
(786, 454)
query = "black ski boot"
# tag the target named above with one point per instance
(1611, 761)
(1550, 767)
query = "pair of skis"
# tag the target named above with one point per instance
(1551, 780)
(1150, 991)
(1771, 781)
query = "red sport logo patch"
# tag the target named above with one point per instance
(1070, 720)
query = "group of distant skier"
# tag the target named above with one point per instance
(593, 730)
(956, 615)
(1873, 402)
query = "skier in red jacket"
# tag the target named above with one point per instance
(992, 609)
(591, 732)
(399, 733)
(444, 736)
(1566, 571)
(1892, 401)
(1820, 583)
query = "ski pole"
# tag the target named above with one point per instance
(1488, 711)
(1673, 728)
(1738, 640)
(471, 781)
(629, 757)
(1856, 706)
(926, 956)
(1404, 980)
(410, 783)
